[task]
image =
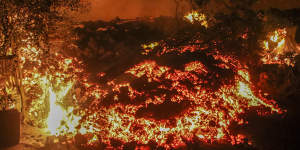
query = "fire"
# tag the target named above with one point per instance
(50, 87)
(277, 37)
(128, 112)
(195, 16)
(153, 103)
(275, 47)
(61, 121)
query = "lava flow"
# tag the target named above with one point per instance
(171, 112)
(167, 106)
(152, 102)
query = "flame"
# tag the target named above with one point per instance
(278, 37)
(275, 48)
(50, 86)
(56, 114)
(195, 16)
(61, 121)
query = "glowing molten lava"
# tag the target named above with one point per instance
(194, 111)
(152, 101)
(61, 121)
(169, 105)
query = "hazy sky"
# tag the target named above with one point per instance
(110, 9)
(130, 9)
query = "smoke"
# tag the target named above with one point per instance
(130, 9)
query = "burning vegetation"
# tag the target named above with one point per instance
(139, 84)
(275, 48)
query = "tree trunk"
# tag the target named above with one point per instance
(19, 78)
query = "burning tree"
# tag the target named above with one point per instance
(27, 30)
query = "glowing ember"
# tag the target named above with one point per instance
(197, 17)
(148, 48)
(150, 69)
(196, 66)
(151, 45)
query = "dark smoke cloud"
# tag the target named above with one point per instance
(130, 9)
